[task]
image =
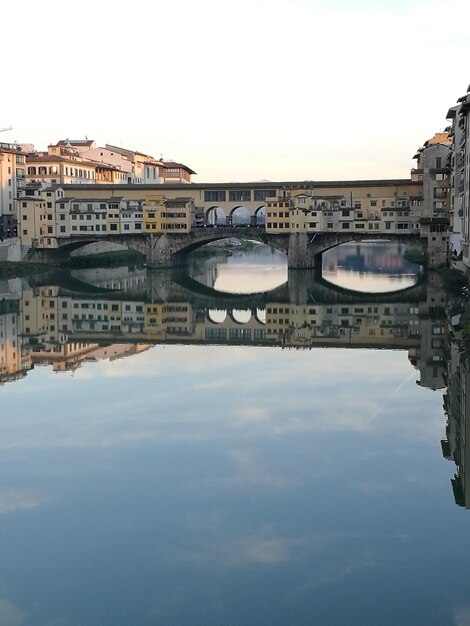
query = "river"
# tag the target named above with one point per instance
(234, 444)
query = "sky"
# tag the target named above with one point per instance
(239, 91)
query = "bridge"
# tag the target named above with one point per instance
(303, 250)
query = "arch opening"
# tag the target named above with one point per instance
(215, 216)
(217, 316)
(260, 216)
(240, 216)
(241, 316)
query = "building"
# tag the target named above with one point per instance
(370, 206)
(12, 180)
(171, 172)
(60, 165)
(433, 172)
(460, 178)
(38, 224)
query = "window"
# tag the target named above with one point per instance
(215, 195)
(262, 194)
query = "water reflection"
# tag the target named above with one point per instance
(370, 267)
(240, 267)
(213, 457)
(72, 322)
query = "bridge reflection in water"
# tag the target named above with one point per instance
(64, 321)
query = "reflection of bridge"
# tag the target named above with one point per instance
(303, 286)
(63, 325)
(163, 250)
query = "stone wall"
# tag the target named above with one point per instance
(10, 249)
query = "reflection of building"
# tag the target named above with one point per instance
(456, 445)
(14, 360)
(370, 324)
(378, 258)
(429, 357)
(63, 329)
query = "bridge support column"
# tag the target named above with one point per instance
(300, 253)
(158, 251)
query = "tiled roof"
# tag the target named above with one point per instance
(181, 165)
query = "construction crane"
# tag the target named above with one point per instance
(6, 128)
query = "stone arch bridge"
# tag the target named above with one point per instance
(162, 250)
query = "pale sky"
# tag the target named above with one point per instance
(239, 91)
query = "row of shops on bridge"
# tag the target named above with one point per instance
(47, 214)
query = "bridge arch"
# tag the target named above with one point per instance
(240, 216)
(323, 242)
(260, 215)
(215, 215)
(134, 244)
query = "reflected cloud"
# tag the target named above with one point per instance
(462, 616)
(15, 500)
(249, 470)
(161, 358)
(10, 615)
(335, 572)
(260, 551)
(252, 414)
(374, 486)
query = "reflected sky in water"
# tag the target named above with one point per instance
(209, 485)
(235, 485)
(253, 271)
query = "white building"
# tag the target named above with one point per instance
(12, 179)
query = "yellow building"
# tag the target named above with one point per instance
(175, 215)
(278, 210)
(153, 205)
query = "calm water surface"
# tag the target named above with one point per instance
(370, 267)
(162, 467)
